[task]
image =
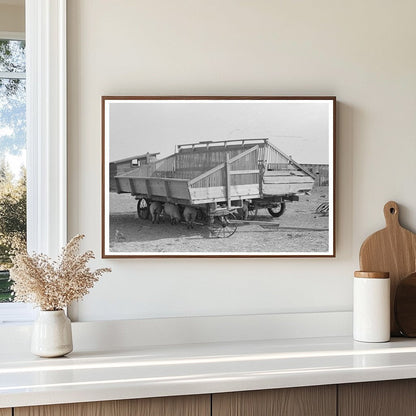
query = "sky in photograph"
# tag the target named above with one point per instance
(299, 129)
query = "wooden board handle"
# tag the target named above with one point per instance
(391, 214)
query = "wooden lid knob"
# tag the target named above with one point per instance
(372, 275)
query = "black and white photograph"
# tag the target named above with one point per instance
(218, 176)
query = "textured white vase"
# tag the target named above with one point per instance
(52, 334)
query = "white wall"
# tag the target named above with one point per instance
(361, 51)
(12, 18)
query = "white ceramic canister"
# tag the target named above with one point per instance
(371, 322)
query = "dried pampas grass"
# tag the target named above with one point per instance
(53, 285)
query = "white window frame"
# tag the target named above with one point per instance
(14, 312)
(46, 134)
(46, 125)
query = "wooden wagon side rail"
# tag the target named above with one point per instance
(291, 160)
(199, 178)
(241, 155)
(224, 177)
(225, 143)
(155, 188)
(206, 174)
(233, 175)
(152, 178)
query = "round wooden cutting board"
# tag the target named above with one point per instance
(405, 306)
(393, 250)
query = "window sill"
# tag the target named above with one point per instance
(16, 313)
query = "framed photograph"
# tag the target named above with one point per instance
(218, 177)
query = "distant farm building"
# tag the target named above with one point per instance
(125, 165)
(319, 171)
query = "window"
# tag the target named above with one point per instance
(46, 134)
(12, 166)
(12, 155)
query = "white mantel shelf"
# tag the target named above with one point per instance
(151, 371)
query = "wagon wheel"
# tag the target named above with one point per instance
(278, 210)
(221, 227)
(143, 208)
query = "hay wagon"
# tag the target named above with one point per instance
(219, 178)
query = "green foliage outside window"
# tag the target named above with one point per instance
(12, 223)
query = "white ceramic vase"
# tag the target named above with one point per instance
(52, 334)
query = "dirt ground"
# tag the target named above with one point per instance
(128, 233)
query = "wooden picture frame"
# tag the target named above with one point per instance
(206, 176)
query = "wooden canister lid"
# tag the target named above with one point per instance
(372, 275)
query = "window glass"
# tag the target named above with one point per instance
(12, 156)
(12, 56)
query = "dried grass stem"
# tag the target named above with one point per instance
(53, 285)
